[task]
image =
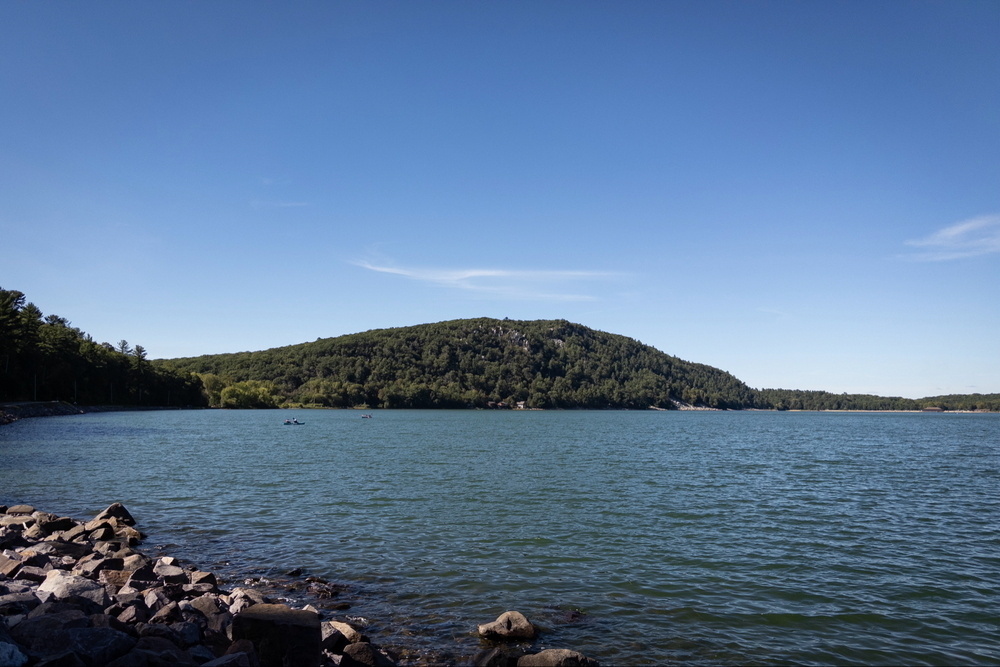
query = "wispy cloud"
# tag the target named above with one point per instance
(502, 283)
(969, 238)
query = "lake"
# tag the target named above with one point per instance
(634, 537)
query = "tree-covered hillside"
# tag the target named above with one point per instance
(468, 363)
(43, 358)
(789, 399)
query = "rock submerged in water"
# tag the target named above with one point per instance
(509, 625)
(514, 626)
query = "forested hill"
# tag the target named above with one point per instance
(467, 363)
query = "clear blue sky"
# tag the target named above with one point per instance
(805, 194)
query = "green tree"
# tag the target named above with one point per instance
(251, 394)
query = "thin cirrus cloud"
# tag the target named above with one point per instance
(502, 283)
(970, 238)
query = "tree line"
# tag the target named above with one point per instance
(474, 363)
(45, 358)
(789, 399)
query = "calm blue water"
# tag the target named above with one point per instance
(634, 537)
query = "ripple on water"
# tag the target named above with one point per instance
(698, 538)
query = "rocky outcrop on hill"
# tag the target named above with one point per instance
(80, 594)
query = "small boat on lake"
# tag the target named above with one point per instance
(293, 422)
(366, 416)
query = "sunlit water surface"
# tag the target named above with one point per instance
(633, 537)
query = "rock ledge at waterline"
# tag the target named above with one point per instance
(80, 594)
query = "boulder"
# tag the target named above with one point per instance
(217, 619)
(556, 657)
(331, 639)
(116, 511)
(509, 625)
(154, 652)
(349, 632)
(363, 654)
(30, 573)
(60, 549)
(21, 509)
(18, 603)
(61, 585)
(168, 614)
(17, 521)
(170, 573)
(74, 534)
(99, 646)
(52, 523)
(199, 577)
(283, 637)
(47, 635)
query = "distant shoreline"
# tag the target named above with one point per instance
(15, 411)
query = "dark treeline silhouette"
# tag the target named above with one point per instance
(44, 358)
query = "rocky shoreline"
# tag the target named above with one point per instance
(12, 412)
(82, 594)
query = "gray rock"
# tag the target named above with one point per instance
(154, 652)
(556, 657)
(30, 573)
(60, 585)
(21, 509)
(282, 635)
(134, 562)
(364, 654)
(17, 521)
(509, 625)
(168, 613)
(199, 577)
(350, 633)
(47, 635)
(117, 511)
(170, 573)
(188, 633)
(57, 549)
(99, 646)
(217, 619)
(74, 534)
(52, 523)
(331, 639)
(133, 614)
(18, 603)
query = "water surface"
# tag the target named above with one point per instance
(634, 537)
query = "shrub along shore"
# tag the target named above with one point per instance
(82, 594)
